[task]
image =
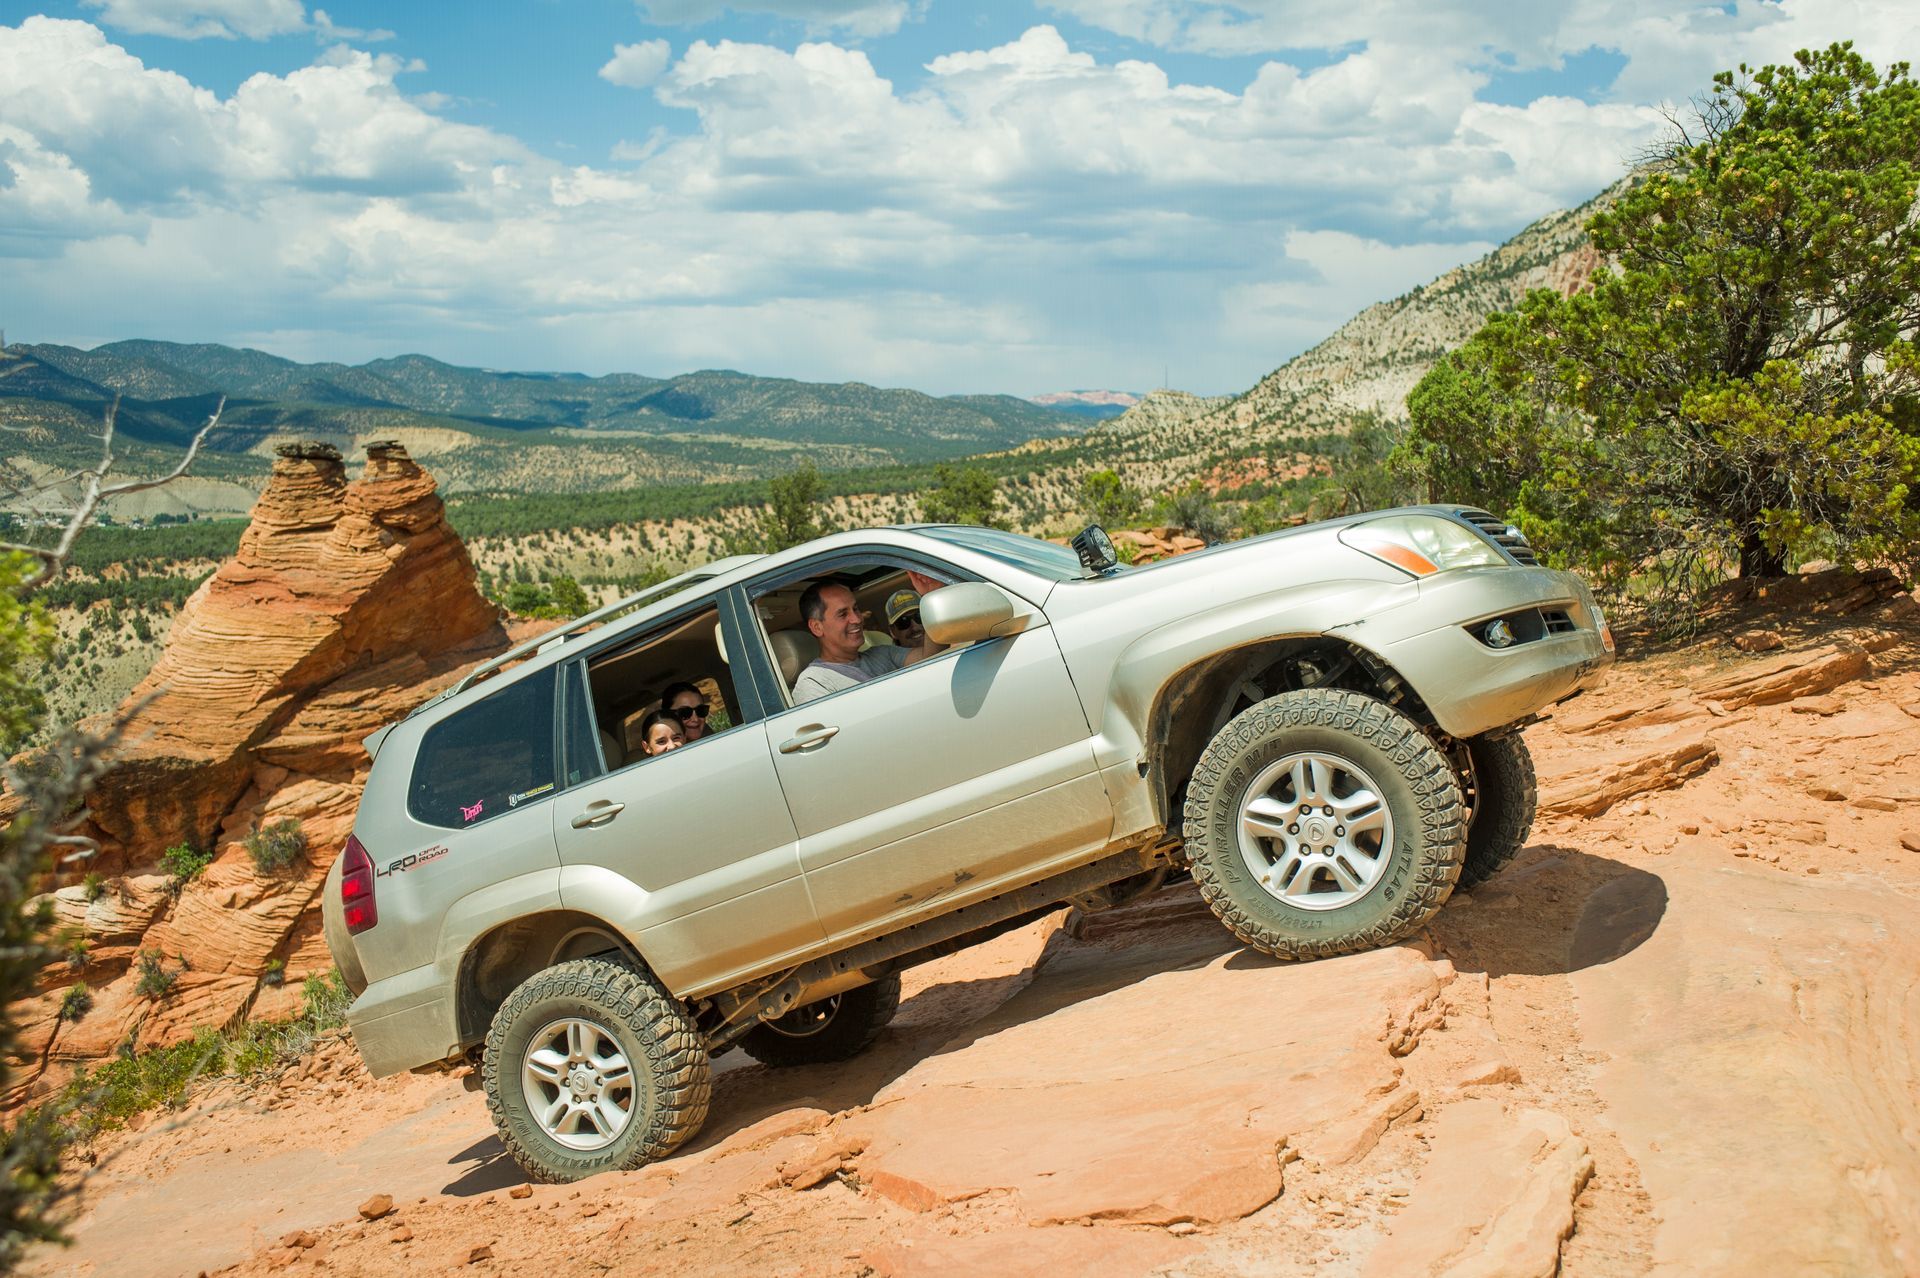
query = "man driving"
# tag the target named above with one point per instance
(833, 616)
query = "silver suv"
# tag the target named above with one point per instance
(1318, 725)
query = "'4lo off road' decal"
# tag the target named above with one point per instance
(412, 860)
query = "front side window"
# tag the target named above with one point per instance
(831, 631)
(487, 759)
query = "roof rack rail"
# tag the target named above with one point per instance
(562, 633)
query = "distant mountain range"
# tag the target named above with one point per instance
(487, 428)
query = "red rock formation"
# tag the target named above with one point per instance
(345, 605)
(331, 579)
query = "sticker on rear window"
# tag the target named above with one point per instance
(515, 800)
(473, 813)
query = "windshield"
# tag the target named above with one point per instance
(1041, 558)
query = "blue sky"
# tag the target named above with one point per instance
(957, 197)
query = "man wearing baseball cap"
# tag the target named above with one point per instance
(903, 618)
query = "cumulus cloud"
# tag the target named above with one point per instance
(637, 65)
(203, 19)
(1019, 216)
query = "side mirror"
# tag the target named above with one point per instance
(964, 612)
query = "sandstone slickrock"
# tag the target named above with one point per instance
(1606, 777)
(1050, 1112)
(1761, 1065)
(1495, 1199)
(1783, 678)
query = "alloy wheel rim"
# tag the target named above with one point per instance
(578, 1084)
(1315, 832)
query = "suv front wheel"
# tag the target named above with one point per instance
(1323, 822)
(590, 1066)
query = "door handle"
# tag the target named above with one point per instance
(598, 813)
(812, 735)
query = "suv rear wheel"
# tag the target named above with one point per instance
(832, 1029)
(1323, 822)
(590, 1066)
(1504, 796)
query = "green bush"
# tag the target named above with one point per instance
(156, 982)
(277, 846)
(161, 1077)
(324, 999)
(275, 973)
(96, 884)
(77, 1002)
(184, 863)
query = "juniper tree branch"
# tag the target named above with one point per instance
(95, 491)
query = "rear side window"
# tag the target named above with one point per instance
(487, 759)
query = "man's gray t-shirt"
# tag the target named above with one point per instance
(822, 677)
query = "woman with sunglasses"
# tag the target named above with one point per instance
(689, 708)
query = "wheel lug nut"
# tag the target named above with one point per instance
(1328, 809)
(1293, 829)
(1339, 831)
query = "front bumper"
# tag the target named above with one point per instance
(1472, 688)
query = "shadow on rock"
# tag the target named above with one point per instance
(1126, 946)
(1555, 910)
(491, 1170)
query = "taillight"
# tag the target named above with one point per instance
(356, 888)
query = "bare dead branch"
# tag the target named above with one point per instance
(95, 491)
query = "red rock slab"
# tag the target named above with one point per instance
(1174, 1097)
(1785, 678)
(1029, 1253)
(1495, 1198)
(1598, 779)
(1761, 1055)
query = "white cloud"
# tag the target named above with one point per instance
(202, 19)
(1022, 216)
(327, 31)
(861, 18)
(637, 65)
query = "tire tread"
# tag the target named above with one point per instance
(1421, 764)
(675, 1053)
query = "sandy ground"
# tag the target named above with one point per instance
(1678, 1036)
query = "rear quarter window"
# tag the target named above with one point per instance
(489, 758)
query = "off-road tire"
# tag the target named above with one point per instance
(1505, 793)
(1415, 781)
(672, 1075)
(862, 1013)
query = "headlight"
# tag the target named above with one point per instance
(1422, 544)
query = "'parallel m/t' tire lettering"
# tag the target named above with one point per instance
(1367, 762)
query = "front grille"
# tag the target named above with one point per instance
(1511, 542)
(1558, 623)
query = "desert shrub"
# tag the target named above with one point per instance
(275, 973)
(162, 1077)
(76, 1002)
(1194, 509)
(277, 846)
(962, 495)
(96, 885)
(324, 999)
(183, 862)
(1109, 500)
(155, 982)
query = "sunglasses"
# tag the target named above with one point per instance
(907, 621)
(686, 713)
